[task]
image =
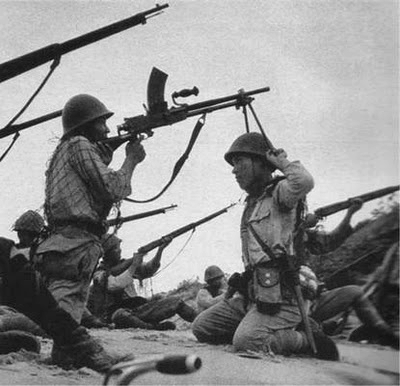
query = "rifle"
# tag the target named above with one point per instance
(124, 264)
(36, 58)
(180, 231)
(121, 220)
(157, 113)
(341, 205)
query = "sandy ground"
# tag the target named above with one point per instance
(360, 365)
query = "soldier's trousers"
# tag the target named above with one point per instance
(231, 322)
(158, 310)
(28, 295)
(339, 300)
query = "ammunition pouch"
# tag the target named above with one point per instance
(266, 288)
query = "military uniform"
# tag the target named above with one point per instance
(80, 190)
(273, 217)
(113, 299)
(331, 305)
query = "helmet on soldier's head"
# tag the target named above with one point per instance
(29, 221)
(252, 144)
(82, 109)
(212, 272)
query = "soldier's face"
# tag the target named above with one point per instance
(26, 238)
(100, 129)
(244, 169)
(217, 282)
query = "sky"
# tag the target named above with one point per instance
(331, 65)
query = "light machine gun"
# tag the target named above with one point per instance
(158, 115)
(157, 112)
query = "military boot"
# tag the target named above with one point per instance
(164, 326)
(326, 347)
(83, 351)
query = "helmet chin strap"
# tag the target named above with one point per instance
(257, 186)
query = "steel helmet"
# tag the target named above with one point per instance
(248, 143)
(29, 221)
(212, 272)
(82, 109)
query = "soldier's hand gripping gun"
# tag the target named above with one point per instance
(124, 264)
(158, 114)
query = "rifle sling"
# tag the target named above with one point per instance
(179, 164)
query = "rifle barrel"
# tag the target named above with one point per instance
(138, 216)
(180, 231)
(12, 129)
(36, 58)
(341, 205)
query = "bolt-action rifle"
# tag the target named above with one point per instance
(157, 112)
(341, 205)
(36, 58)
(123, 265)
(138, 216)
(324, 211)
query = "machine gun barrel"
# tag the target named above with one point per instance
(138, 216)
(144, 124)
(235, 97)
(180, 231)
(36, 58)
(341, 205)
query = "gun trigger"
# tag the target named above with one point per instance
(145, 108)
